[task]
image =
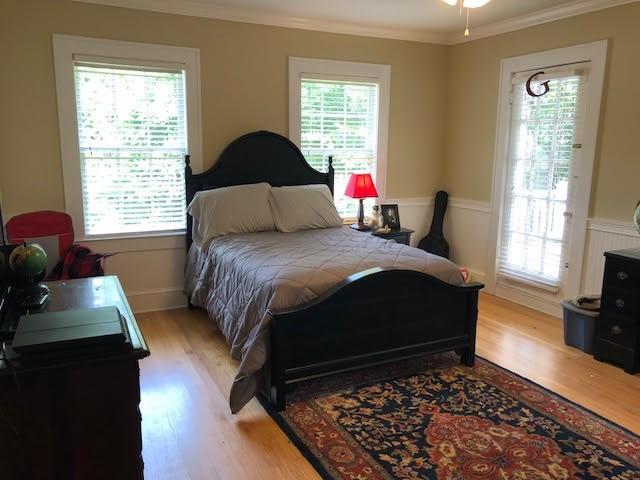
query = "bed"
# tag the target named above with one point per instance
(301, 305)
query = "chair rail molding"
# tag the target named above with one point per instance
(618, 227)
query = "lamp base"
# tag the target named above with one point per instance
(361, 227)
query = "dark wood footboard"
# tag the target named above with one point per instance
(373, 317)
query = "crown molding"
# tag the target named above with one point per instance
(197, 8)
(552, 14)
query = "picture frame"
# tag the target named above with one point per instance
(390, 216)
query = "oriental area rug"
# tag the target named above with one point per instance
(436, 419)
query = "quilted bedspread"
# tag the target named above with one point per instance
(237, 278)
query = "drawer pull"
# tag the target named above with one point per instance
(620, 303)
(622, 275)
(616, 330)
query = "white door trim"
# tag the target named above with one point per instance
(596, 53)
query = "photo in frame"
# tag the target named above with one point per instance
(390, 216)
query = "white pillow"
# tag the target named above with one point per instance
(303, 207)
(228, 210)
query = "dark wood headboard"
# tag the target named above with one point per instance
(253, 158)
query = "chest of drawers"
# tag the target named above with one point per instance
(618, 330)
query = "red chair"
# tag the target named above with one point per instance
(52, 230)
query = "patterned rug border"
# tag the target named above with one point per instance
(324, 473)
(559, 396)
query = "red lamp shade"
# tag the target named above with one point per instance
(361, 186)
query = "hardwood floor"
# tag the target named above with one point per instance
(189, 432)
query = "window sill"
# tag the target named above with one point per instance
(512, 278)
(128, 236)
(136, 243)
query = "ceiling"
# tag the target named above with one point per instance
(422, 20)
(416, 15)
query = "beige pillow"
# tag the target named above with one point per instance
(228, 210)
(303, 207)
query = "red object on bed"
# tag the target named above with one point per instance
(361, 186)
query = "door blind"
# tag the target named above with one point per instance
(340, 119)
(132, 135)
(539, 195)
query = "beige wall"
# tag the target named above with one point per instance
(472, 99)
(244, 88)
(442, 117)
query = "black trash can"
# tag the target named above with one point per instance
(579, 326)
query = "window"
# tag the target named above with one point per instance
(123, 158)
(341, 109)
(132, 140)
(539, 194)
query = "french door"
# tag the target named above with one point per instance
(538, 202)
(545, 149)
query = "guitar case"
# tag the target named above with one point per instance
(435, 242)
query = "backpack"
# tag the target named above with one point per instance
(79, 262)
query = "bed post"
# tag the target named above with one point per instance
(468, 354)
(277, 352)
(188, 181)
(330, 173)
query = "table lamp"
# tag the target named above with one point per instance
(361, 186)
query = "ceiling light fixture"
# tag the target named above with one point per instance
(468, 4)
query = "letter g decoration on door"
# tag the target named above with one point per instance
(544, 84)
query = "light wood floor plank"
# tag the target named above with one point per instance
(190, 434)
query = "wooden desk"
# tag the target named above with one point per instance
(80, 418)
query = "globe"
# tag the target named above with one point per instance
(28, 260)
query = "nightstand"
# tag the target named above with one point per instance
(400, 235)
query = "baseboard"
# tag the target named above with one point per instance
(536, 302)
(159, 299)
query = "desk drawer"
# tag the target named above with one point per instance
(621, 302)
(617, 329)
(619, 274)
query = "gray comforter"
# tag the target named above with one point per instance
(237, 278)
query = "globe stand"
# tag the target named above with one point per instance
(29, 295)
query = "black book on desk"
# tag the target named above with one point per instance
(72, 333)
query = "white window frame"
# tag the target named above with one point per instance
(64, 49)
(596, 53)
(322, 69)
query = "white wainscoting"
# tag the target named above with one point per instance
(604, 235)
(415, 213)
(151, 270)
(467, 230)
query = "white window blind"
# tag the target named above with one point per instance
(538, 200)
(132, 136)
(340, 118)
